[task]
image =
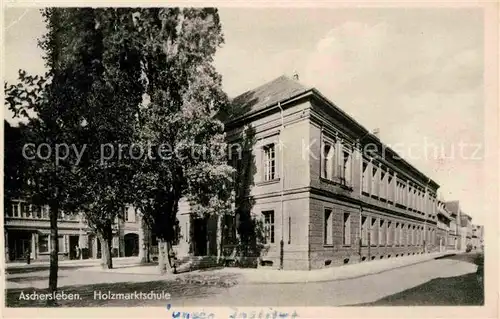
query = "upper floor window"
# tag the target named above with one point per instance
(346, 168)
(365, 177)
(374, 190)
(327, 160)
(269, 162)
(268, 226)
(382, 184)
(25, 210)
(130, 214)
(15, 209)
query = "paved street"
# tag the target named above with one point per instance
(438, 282)
(446, 281)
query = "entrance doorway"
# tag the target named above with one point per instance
(200, 242)
(73, 244)
(131, 244)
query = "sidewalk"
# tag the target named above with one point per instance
(263, 275)
(73, 263)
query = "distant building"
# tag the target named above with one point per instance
(444, 220)
(27, 231)
(477, 236)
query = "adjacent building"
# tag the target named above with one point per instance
(27, 232)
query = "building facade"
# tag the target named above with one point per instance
(443, 228)
(27, 232)
(477, 236)
(323, 198)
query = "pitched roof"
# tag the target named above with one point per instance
(268, 94)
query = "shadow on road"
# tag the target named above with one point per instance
(462, 290)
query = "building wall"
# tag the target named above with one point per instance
(27, 227)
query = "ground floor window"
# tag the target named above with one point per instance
(347, 229)
(268, 226)
(364, 230)
(61, 242)
(373, 232)
(43, 243)
(328, 227)
(389, 231)
(381, 233)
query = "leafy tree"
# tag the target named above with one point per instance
(179, 120)
(106, 50)
(44, 101)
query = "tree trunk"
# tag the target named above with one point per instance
(106, 237)
(219, 238)
(161, 256)
(169, 261)
(54, 250)
(164, 258)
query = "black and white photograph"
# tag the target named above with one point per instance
(261, 159)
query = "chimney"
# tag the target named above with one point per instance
(295, 76)
(376, 132)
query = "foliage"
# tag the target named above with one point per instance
(184, 95)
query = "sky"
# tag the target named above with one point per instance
(415, 74)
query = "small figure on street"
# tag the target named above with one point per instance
(77, 252)
(28, 256)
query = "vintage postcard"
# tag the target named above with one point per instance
(250, 160)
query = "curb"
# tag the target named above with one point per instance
(341, 278)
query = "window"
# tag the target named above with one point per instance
(365, 177)
(381, 233)
(396, 234)
(347, 229)
(327, 161)
(382, 184)
(25, 212)
(346, 173)
(364, 230)
(413, 235)
(269, 162)
(374, 190)
(43, 243)
(390, 188)
(373, 232)
(328, 227)
(15, 209)
(45, 212)
(37, 212)
(62, 246)
(408, 235)
(389, 230)
(130, 214)
(401, 235)
(268, 226)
